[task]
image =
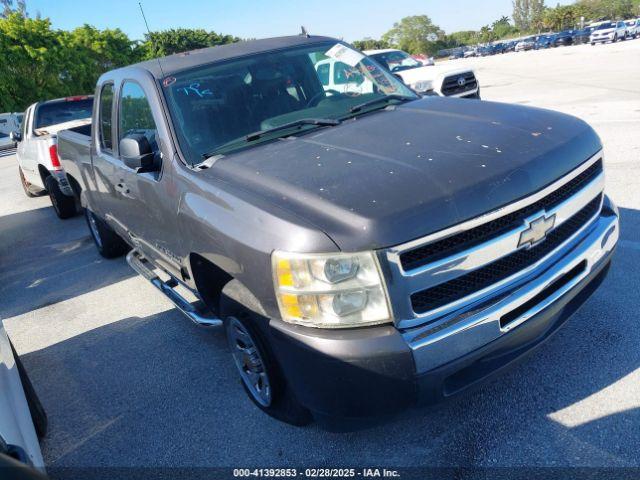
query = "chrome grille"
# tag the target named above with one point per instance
(470, 238)
(445, 273)
(505, 267)
(450, 84)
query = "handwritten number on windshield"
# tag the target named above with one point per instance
(194, 89)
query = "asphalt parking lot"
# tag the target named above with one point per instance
(127, 381)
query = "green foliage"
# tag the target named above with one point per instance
(167, 42)
(416, 34)
(609, 9)
(528, 14)
(40, 63)
(370, 44)
(32, 59)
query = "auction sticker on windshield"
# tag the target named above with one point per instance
(345, 54)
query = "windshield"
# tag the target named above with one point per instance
(605, 26)
(216, 105)
(61, 111)
(396, 60)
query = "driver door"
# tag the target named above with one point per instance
(145, 205)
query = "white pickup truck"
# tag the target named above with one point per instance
(442, 80)
(39, 167)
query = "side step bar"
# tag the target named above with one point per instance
(142, 266)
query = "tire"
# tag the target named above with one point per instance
(38, 414)
(593, 44)
(255, 361)
(64, 206)
(108, 242)
(26, 186)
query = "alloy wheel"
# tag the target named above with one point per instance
(249, 361)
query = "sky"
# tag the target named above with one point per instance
(347, 19)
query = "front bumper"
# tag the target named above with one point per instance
(371, 371)
(603, 38)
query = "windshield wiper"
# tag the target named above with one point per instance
(296, 123)
(385, 99)
(261, 133)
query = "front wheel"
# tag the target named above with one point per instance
(108, 242)
(259, 371)
(64, 205)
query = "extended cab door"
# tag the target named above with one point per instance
(105, 161)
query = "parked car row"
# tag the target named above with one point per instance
(600, 32)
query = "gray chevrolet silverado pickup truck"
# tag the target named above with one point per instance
(364, 250)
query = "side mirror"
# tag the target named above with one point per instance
(15, 136)
(137, 154)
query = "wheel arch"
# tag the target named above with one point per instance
(44, 174)
(211, 281)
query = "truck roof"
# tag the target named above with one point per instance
(181, 61)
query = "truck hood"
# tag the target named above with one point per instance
(404, 172)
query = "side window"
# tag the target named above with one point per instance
(135, 114)
(343, 73)
(323, 73)
(106, 110)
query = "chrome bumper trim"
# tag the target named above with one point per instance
(434, 346)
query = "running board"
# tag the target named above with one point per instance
(142, 266)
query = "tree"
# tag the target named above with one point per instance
(8, 8)
(90, 52)
(370, 44)
(168, 42)
(527, 14)
(502, 28)
(610, 9)
(33, 60)
(561, 17)
(416, 34)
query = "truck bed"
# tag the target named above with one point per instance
(74, 152)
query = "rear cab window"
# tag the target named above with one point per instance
(62, 111)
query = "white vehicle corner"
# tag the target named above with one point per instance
(633, 27)
(17, 432)
(441, 80)
(608, 32)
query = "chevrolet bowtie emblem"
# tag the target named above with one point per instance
(537, 230)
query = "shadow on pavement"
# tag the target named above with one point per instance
(45, 260)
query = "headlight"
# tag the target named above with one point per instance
(423, 85)
(336, 290)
